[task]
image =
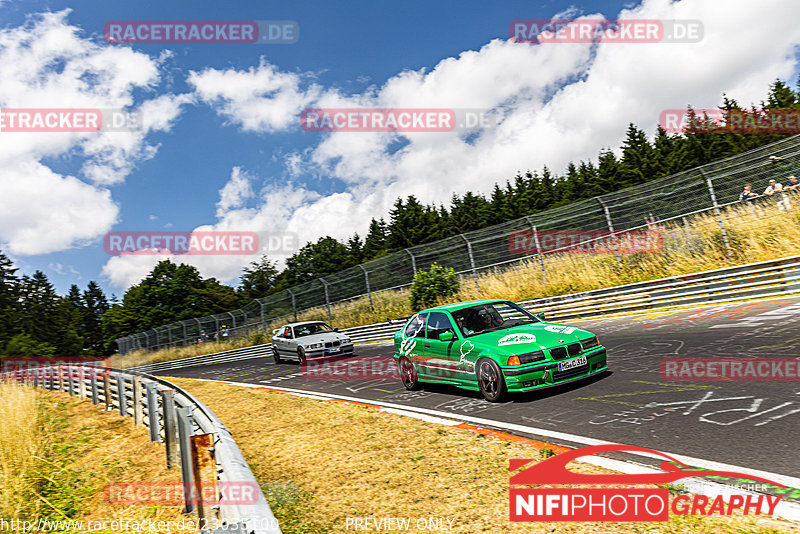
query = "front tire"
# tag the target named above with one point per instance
(301, 355)
(275, 354)
(408, 374)
(490, 380)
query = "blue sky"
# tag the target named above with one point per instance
(199, 162)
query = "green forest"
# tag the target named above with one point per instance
(35, 320)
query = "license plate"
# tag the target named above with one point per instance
(337, 349)
(571, 364)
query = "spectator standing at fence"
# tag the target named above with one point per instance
(775, 189)
(747, 195)
(794, 183)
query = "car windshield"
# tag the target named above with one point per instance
(489, 317)
(311, 329)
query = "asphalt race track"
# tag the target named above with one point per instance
(754, 424)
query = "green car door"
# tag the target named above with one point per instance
(441, 344)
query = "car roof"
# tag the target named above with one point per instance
(302, 323)
(460, 305)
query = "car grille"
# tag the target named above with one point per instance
(329, 344)
(574, 349)
(570, 373)
(558, 353)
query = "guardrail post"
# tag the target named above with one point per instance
(95, 399)
(107, 390)
(471, 262)
(137, 401)
(170, 427)
(294, 307)
(81, 389)
(366, 281)
(204, 470)
(152, 412)
(121, 396)
(187, 474)
(538, 248)
(718, 212)
(70, 380)
(611, 228)
(327, 300)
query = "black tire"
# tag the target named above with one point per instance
(408, 374)
(301, 355)
(275, 354)
(490, 380)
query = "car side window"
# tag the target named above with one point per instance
(438, 323)
(287, 333)
(416, 326)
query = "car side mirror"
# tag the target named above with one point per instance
(540, 316)
(335, 329)
(275, 332)
(446, 336)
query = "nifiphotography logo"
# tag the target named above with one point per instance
(630, 503)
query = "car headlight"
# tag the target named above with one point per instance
(315, 346)
(528, 357)
(590, 343)
(346, 340)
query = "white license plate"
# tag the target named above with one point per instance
(338, 349)
(571, 364)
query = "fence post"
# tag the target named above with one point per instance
(263, 322)
(413, 261)
(538, 248)
(233, 324)
(152, 412)
(137, 401)
(366, 281)
(185, 336)
(81, 389)
(170, 427)
(471, 261)
(327, 300)
(70, 380)
(717, 211)
(611, 228)
(121, 397)
(187, 476)
(294, 308)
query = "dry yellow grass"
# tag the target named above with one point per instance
(322, 462)
(696, 244)
(57, 454)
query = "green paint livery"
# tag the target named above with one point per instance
(495, 347)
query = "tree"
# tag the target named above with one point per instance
(95, 305)
(375, 242)
(9, 293)
(258, 279)
(428, 286)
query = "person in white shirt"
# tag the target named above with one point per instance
(776, 189)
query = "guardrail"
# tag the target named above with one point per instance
(754, 280)
(195, 439)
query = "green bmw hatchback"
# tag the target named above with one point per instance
(495, 347)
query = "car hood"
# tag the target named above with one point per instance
(530, 337)
(321, 338)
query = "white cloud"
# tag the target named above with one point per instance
(47, 64)
(259, 99)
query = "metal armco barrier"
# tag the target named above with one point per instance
(175, 417)
(754, 280)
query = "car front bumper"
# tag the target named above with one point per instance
(546, 374)
(343, 349)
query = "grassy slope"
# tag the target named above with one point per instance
(321, 462)
(57, 453)
(756, 234)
